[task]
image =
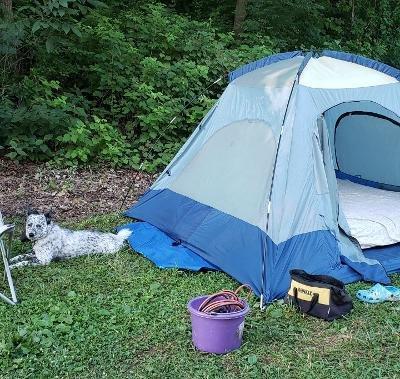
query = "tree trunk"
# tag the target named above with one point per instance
(7, 8)
(353, 13)
(240, 15)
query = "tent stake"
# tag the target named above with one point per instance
(262, 306)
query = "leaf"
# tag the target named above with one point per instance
(50, 44)
(104, 312)
(82, 8)
(63, 328)
(46, 320)
(127, 309)
(252, 359)
(36, 26)
(12, 155)
(66, 28)
(76, 31)
(48, 341)
(22, 332)
(71, 294)
(68, 319)
(154, 286)
(97, 3)
(276, 313)
(25, 350)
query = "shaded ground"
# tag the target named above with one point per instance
(70, 193)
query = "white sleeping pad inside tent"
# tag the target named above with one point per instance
(373, 214)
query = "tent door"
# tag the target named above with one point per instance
(350, 249)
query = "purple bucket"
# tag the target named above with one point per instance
(216, 333)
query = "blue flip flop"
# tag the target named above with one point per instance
(379, 294)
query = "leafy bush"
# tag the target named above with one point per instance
(108, 92)
(85, 81)
(98, 139)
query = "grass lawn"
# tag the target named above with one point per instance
(119, 316)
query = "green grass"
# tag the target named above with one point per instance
(119, 316)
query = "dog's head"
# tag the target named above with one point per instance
(37, 225)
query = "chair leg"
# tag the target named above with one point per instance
(7, 300)
(7, 271)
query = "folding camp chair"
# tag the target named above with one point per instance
(6, 235)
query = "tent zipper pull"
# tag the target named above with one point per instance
(269, 207)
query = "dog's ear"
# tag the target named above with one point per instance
(48, 216)
(24, 238)
(31, 211)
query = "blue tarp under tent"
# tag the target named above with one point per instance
(254, 191)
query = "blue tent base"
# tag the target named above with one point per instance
(164, 252)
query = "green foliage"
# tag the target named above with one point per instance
(77, 74)
(371, 29)
(54, 18)
(130, 71)
(29, 131)
(97, 139)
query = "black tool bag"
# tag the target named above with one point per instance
(318, 295)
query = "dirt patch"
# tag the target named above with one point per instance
(69, 193)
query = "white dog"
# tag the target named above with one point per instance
(51, 242)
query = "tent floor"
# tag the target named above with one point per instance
(388, 256)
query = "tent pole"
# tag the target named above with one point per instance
(264, 256)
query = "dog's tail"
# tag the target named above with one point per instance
(124, 234)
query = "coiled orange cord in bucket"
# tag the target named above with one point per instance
(225, 301)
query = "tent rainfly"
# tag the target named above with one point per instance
(254, 189)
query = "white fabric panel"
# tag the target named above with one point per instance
(232, 171)
(276, 75)
(388, 96)
(373, 215)
(326, 72)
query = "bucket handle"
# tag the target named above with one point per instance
(230, 300)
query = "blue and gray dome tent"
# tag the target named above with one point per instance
(253, 190)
